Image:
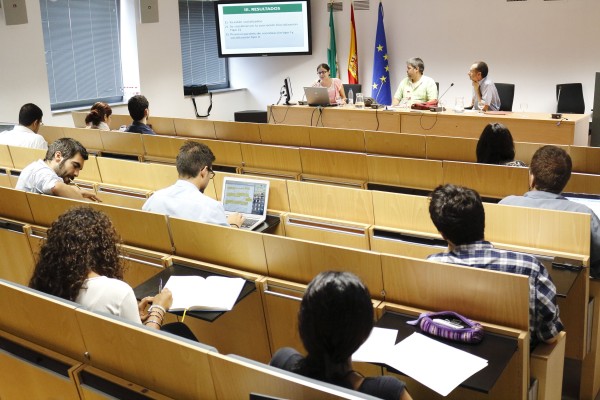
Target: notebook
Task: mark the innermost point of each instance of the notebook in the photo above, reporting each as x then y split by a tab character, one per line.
590	200
317	96
247	197
215	293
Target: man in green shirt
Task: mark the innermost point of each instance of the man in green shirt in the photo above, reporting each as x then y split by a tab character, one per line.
416	87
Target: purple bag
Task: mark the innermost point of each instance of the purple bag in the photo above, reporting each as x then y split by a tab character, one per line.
450	325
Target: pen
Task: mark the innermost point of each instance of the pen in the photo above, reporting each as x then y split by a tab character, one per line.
160	286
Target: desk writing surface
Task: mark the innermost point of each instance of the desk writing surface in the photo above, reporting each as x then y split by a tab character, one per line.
497	349
150	288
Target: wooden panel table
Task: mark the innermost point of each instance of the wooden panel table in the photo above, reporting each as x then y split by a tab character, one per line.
336	117
525	127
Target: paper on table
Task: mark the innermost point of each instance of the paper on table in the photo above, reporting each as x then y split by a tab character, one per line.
377	346
436	365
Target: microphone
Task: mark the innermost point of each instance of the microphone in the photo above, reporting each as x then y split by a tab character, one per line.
440	108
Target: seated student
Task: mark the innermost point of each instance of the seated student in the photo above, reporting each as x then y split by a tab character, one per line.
138	110
25	134
53	175
99	117
186	199
549	173
80	262
496	146
335	318
458	214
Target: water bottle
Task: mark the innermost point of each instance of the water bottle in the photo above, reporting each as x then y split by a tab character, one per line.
350	97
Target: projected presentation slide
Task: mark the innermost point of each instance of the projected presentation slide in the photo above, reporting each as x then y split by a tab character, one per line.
263	27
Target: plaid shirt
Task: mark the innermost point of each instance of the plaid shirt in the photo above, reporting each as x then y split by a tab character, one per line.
544	321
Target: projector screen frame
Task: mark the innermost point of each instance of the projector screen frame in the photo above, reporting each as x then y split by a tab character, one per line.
226	54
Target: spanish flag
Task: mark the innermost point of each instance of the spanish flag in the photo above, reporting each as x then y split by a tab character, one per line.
353	54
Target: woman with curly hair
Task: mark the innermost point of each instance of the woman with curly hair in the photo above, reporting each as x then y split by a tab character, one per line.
335	319
80	262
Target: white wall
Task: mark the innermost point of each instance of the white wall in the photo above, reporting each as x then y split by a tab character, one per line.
534	44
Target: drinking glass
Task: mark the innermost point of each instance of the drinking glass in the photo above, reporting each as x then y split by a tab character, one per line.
459	105
481	105
360	100
523	108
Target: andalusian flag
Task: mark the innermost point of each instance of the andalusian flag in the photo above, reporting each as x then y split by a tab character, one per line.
380	89
353	54
331	51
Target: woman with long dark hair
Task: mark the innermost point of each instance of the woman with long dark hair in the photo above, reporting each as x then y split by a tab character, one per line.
335	319
496	146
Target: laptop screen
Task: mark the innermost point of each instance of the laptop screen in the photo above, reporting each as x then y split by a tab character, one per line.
246	197
590	200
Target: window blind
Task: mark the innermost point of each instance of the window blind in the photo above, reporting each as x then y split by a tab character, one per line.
201	62
83	57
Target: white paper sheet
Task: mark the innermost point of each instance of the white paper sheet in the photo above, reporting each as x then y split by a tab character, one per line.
436	365
377	346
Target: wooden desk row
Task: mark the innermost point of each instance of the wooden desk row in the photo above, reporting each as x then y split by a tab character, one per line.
317	165
501	299
56	349
428	145
290	258
525	127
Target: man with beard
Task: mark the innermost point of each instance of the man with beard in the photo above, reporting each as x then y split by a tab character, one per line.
53	175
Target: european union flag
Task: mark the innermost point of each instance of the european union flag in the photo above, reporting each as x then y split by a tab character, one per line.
380	90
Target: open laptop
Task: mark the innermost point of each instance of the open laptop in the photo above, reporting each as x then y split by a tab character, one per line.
317	96
248	197
590	200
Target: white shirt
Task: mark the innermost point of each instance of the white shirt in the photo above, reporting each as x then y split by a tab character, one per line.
184	200
103	126
38	177
22	136
109	296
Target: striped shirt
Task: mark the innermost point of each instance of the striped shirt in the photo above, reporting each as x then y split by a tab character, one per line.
544	320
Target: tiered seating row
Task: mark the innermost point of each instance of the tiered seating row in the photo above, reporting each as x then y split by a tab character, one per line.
585	159
55	348
341	166
510	316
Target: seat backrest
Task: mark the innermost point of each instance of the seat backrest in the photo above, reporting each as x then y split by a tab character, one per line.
40	318
569	98
506	91
356	88
169	365
300	261
253	377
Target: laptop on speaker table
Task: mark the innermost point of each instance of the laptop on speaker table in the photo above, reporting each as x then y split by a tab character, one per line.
317	96
247	197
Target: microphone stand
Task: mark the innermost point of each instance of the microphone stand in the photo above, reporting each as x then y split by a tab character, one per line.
440	108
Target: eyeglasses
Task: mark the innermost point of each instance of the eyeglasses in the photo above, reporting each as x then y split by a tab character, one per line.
321	72
211	173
